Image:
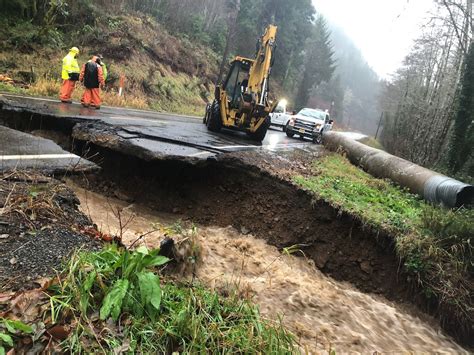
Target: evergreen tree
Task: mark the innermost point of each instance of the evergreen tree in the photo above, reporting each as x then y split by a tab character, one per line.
463	136
318	64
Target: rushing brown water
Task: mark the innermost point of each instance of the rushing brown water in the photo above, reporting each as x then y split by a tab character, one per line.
323	313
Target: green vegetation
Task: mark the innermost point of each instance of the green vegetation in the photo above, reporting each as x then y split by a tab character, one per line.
161	46
372	142
117	301
10	88
436	245
162	71
462	141
8	330
377	202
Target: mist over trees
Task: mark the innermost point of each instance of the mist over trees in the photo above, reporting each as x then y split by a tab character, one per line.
429	103
353	91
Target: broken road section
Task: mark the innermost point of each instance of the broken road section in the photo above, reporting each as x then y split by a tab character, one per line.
23	151
145	134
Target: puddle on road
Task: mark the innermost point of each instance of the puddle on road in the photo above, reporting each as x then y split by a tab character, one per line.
324	313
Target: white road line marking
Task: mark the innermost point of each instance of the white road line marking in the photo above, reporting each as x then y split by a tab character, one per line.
38	157
201	153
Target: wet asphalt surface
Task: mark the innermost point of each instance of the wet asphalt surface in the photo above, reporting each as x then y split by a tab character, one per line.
19	150
162	133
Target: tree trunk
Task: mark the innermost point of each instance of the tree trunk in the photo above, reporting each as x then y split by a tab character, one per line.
230	37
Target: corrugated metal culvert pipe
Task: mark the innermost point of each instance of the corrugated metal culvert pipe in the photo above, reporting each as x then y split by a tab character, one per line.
432	186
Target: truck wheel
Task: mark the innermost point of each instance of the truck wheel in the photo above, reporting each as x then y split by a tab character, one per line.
289	133
318	139
261	132
214	122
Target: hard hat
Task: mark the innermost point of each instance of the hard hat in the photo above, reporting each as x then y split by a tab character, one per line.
74	49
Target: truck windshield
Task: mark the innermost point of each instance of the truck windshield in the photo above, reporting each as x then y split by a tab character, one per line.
320	115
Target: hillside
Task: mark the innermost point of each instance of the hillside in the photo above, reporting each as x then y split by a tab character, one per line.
162	71
169	51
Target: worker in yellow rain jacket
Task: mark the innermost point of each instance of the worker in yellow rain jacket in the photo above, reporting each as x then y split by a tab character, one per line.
70	74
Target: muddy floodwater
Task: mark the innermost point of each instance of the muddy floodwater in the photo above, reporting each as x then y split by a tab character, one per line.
323	313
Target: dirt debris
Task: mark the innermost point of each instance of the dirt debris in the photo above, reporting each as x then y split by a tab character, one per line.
40	225
282	165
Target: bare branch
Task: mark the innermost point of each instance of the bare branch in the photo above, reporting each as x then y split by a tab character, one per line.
453	21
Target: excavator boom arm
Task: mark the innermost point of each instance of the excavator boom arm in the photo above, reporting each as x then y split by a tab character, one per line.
261	66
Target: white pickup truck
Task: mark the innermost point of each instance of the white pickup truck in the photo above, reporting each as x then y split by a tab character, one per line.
310	123
280	116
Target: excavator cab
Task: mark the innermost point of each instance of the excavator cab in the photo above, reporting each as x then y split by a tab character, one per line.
241	102
236	83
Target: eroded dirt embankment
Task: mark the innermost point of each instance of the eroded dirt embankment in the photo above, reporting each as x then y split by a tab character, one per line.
230	192
324	314
224	193
254	199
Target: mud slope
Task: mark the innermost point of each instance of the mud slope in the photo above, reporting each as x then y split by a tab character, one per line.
252	202
321	312
228	192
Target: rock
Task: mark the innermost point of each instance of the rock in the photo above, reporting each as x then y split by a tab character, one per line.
4	236
120	195
321	259
244	230
365	267
13	261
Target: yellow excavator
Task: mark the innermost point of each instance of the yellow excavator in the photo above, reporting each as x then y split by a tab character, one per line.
241	102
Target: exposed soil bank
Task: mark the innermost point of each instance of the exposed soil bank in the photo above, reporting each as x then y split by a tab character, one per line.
324	314
253	198
229	192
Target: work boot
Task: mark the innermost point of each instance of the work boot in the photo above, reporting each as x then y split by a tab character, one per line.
97	107
66	101
85	105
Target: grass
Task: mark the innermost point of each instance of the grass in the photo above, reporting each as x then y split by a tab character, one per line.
435	245
180	94
4	87
377	202
116	299
372	142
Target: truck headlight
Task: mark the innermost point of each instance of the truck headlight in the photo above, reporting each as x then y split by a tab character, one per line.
317	128
292	122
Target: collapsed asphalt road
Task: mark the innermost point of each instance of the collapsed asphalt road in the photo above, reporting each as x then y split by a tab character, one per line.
20	151
149	135
153	159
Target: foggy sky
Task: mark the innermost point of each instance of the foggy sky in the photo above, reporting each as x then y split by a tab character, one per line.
382	29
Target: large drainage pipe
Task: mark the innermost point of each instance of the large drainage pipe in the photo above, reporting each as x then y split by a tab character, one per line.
432	186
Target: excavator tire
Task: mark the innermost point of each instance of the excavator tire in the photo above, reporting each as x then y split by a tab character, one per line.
261	132
206	115
214	122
